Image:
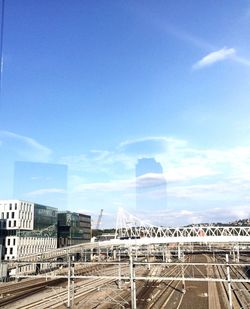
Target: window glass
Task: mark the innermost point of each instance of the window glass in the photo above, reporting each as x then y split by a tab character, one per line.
140	105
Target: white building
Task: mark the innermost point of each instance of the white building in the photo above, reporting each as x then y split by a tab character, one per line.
26	228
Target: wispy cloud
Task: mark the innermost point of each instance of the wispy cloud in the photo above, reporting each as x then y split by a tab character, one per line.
241	60
45	191
180	161
150	145
25	147
216	56
181	34
186	216
195	176
110	186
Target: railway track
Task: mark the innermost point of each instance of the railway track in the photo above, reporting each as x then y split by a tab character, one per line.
100	293
166	291
157	293
240	291
19	291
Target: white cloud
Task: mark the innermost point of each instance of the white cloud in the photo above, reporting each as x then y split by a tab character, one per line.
189	172
45	191
150	145
242	60
183	35
216	56
196	178
25	147
205	215
150	180
111	186
180	162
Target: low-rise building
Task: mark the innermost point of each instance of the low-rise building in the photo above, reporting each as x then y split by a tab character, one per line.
73	228
26	228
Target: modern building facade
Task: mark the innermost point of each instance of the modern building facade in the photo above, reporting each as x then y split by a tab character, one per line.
26	228
73	228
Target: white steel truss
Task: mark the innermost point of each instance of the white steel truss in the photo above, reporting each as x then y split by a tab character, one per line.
131	231
130	227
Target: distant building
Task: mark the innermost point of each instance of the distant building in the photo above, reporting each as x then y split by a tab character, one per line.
151	186
26	228
73	228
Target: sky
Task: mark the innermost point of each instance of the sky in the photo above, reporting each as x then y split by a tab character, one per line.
92	87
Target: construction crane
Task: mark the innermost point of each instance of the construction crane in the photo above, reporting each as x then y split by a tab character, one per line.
99	220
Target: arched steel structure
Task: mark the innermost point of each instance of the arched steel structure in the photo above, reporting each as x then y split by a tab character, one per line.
132	232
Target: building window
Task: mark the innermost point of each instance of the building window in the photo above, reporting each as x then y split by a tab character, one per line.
15	206
14	242
7	215
14	223
13	215
11	250
10	206
8	242
9	223
2	215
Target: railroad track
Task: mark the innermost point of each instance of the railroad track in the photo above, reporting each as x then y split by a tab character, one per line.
164	290
8	288
150	294
240	297
83	289
163	296
18	291
241	289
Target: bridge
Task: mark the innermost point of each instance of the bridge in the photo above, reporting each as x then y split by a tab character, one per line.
132	232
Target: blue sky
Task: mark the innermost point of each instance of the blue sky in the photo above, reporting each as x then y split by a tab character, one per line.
97	85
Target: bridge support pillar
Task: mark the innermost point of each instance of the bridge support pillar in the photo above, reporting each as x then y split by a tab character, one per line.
183	280
166	256
179	252
229	284
114	255
132	281
70	298
237	253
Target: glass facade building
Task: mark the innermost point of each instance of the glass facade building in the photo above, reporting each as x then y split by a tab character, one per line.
45	222
26	228
73	228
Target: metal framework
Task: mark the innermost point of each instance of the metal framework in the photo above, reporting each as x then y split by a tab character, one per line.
129	272
130	227
134	239
132	232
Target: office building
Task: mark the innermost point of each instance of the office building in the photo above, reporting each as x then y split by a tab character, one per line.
26	228
73	228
